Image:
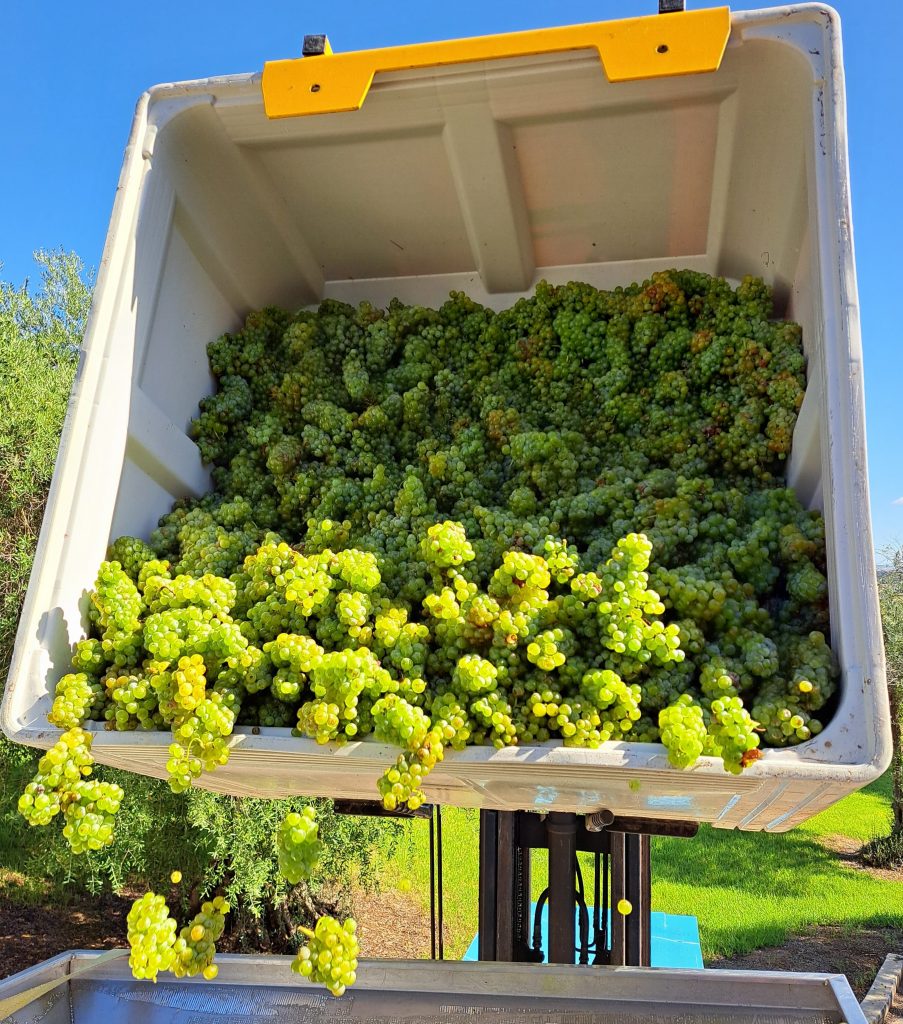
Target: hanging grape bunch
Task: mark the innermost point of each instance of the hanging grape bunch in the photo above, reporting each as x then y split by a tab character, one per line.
298	846
330	954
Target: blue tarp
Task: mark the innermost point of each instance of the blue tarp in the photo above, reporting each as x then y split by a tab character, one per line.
675	939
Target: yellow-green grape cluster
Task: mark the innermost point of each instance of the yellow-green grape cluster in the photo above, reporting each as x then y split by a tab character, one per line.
546	650
617	702
337	682
561	558
716	679
62	783
731	734
298	846
628	603
293	657
450	717
117	602
683	731
442	605
329	957
398	722
89	809
189	682
68	760
785	706
195	948
152	936
200	742
210	592
132	703
77	694
352	610
521	577
89	658
474	675
446	546
400	785
407	651
494	713
132	554
358	570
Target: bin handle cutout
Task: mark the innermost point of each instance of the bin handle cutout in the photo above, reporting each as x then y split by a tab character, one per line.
685	43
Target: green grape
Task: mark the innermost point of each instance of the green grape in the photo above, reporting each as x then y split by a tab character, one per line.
446	545
89	809
474	675
683	731
116	600
398	722
731	734
152	936
195	948
561	558
545	650
62	784
298	847
77	694
329	957
200	742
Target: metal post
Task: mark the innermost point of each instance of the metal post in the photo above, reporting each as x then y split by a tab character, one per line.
488	905
630	880
432	886
439	894
562	834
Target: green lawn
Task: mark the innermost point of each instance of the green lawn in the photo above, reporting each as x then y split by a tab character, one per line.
747	889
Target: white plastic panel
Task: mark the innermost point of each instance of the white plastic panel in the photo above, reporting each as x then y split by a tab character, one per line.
483	178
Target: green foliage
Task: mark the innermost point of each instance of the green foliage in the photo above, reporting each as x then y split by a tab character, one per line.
884	851
890	592
220	844
39	336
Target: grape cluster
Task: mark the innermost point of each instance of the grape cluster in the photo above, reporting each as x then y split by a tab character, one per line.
683	731
77	694
152	936
195	948
298	846
62	784
89	808
156	946
329	957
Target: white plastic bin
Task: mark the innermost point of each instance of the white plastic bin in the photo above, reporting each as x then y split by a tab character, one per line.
484	177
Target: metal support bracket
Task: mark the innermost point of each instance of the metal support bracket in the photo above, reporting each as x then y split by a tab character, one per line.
622	861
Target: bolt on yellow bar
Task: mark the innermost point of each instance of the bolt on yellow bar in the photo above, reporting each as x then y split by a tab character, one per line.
686	43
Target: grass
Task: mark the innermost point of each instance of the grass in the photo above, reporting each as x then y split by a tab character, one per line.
748	890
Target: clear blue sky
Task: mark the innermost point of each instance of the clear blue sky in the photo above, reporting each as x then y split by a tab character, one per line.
70	74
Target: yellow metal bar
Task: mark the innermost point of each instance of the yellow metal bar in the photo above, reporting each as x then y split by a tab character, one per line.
675	44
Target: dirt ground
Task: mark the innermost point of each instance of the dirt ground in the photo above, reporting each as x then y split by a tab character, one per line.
857	954
29	934
391	925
